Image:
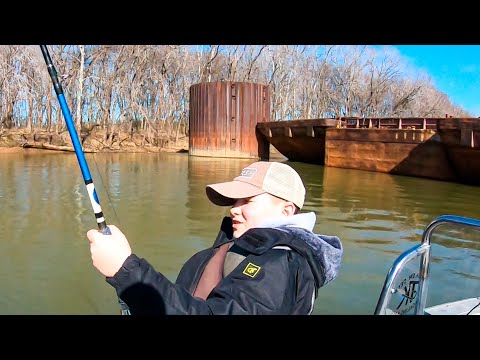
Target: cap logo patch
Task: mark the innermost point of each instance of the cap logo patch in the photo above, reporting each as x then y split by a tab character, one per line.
248	172
251	270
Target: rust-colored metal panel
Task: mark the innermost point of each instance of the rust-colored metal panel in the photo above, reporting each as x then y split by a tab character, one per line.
417	153
223	117
439	148
298	140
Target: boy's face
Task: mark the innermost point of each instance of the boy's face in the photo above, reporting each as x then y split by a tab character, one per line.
250	212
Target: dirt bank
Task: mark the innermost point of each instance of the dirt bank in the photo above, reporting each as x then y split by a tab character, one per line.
20	140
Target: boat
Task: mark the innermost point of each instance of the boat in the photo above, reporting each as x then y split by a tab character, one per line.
445	149
407	284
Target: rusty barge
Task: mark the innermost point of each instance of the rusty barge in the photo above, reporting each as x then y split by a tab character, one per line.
445	149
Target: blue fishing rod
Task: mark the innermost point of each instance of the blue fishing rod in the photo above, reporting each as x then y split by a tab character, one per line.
92	194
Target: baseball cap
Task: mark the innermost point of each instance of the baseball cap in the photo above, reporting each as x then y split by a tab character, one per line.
260	177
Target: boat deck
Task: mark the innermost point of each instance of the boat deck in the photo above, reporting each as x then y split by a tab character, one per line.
462	307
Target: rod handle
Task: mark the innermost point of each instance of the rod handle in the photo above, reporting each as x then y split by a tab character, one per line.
103	227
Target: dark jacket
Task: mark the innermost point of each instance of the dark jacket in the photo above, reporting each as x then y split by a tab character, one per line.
283	268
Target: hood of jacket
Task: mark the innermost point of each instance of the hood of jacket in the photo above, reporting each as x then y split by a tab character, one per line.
323	252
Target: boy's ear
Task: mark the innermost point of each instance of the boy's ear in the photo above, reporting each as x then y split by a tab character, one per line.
289	208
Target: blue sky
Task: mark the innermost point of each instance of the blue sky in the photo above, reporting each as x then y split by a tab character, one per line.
454	69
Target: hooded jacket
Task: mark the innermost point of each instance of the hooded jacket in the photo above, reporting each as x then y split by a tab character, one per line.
281	267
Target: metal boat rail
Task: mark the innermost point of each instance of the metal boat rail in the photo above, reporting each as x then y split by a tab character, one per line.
412	290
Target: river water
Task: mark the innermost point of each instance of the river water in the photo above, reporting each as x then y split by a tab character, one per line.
159	202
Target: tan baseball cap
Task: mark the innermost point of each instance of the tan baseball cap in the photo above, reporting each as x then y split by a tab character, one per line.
275	178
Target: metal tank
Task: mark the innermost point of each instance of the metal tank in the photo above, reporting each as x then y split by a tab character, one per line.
223	116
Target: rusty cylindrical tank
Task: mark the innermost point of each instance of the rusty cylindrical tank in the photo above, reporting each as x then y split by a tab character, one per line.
223	116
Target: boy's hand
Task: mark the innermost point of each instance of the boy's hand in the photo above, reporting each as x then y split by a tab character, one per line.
109	252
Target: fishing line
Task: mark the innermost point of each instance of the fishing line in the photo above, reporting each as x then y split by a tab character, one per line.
106	190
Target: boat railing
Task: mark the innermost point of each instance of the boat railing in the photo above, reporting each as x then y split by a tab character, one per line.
413	288
390	123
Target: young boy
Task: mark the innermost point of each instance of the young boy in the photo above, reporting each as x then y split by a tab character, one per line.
265	259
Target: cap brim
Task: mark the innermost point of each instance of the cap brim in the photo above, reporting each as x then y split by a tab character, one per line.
225	194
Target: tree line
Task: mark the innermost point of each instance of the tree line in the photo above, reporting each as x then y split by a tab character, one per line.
146	87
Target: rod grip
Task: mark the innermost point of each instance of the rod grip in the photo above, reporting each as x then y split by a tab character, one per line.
103	227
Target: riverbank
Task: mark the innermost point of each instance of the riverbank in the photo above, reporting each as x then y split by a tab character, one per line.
96	141
18	141
275	155
19	149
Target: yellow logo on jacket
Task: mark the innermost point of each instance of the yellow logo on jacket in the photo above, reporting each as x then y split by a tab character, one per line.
251	270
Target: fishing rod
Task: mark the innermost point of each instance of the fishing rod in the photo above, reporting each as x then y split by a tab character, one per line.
92	194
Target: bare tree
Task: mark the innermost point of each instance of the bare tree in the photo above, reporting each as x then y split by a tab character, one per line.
145	88
81	74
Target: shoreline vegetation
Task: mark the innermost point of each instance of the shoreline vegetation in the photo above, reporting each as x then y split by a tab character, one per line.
95	141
